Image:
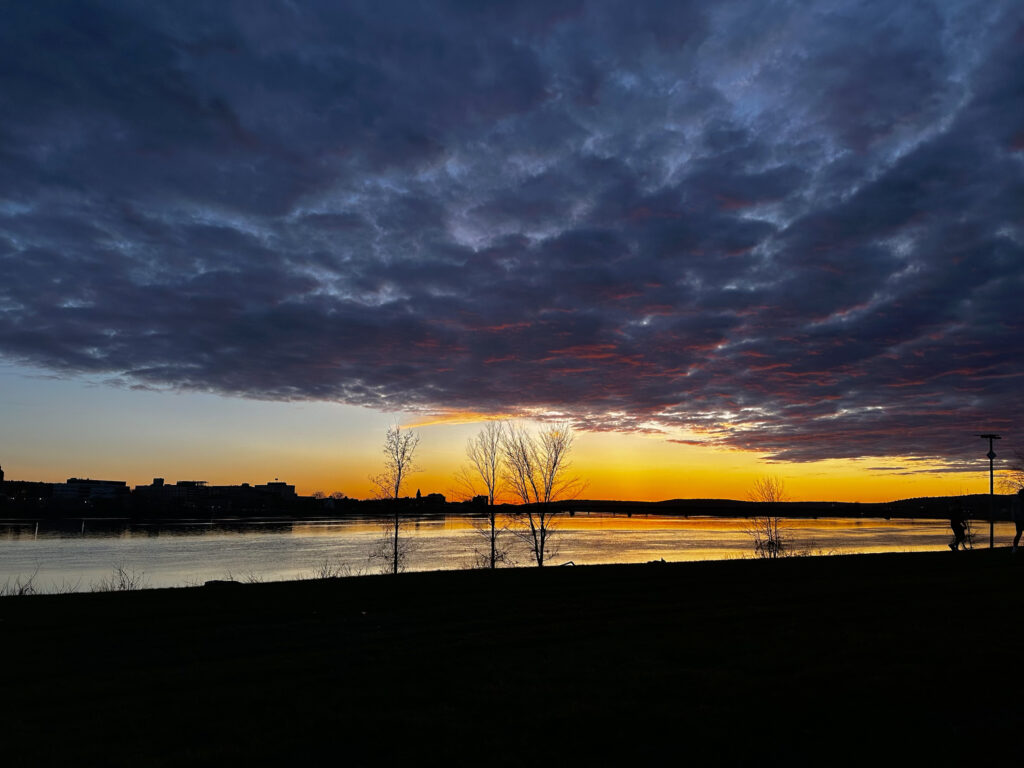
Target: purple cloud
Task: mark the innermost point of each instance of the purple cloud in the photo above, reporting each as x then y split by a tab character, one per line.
796	229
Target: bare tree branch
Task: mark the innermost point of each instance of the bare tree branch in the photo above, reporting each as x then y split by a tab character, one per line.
769	489
1012	478
485	457
399	454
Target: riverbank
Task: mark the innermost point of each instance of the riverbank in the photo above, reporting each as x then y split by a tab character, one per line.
802	659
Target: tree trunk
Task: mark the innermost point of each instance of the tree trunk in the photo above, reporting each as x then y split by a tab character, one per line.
543	535
492	541
395	547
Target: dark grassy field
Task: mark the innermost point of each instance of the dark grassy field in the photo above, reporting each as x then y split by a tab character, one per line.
801	660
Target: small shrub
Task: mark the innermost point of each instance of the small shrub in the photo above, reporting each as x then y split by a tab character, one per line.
121	579
22	585
331	569
66	587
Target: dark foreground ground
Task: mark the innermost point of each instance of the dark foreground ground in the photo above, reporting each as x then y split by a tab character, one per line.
824	660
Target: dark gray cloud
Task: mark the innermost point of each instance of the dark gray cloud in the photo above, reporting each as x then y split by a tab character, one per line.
795	227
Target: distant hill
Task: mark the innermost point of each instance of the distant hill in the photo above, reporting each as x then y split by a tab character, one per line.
930	507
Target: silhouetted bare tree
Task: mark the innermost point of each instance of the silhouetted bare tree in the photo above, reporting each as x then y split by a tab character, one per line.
399	462
483	472
536	468
767	531
484	454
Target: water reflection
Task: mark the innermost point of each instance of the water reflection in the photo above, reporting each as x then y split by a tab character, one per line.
193	552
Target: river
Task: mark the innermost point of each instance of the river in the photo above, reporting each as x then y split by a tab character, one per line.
85	557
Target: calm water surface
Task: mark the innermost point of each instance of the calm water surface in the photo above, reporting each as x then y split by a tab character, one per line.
182	555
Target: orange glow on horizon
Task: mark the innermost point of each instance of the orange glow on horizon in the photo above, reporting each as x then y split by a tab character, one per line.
632	467
613	466
330	447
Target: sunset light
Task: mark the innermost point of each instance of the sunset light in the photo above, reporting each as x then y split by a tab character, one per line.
531	382
709	236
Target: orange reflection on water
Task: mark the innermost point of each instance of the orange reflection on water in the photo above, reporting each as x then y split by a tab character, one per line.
606	538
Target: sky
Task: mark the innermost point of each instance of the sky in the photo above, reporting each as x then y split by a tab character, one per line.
723	240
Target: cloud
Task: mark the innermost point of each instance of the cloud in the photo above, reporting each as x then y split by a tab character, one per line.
795	230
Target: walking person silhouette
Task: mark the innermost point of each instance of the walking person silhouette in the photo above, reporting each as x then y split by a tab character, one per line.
1018	517
956	522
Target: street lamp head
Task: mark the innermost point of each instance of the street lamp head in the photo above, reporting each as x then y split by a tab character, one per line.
991	437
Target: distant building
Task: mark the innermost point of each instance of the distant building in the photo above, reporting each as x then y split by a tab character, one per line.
192	497
282	490
77	489
1	474
26	494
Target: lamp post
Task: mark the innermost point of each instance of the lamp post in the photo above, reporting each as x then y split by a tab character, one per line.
991	487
